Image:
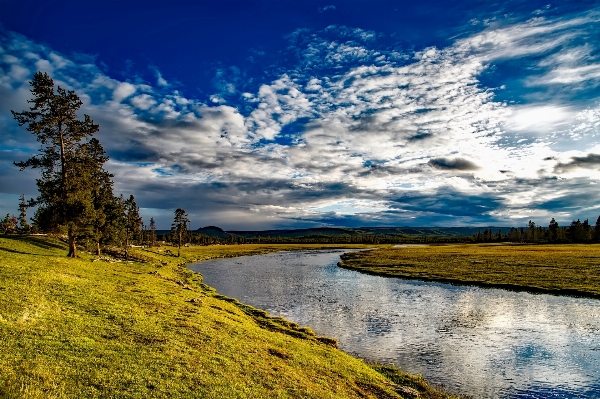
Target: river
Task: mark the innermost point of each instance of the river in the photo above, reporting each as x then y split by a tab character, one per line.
486	343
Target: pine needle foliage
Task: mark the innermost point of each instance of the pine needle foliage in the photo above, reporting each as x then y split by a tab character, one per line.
71	162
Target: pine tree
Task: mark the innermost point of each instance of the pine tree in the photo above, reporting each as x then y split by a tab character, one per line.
152	232
133	222
179	227
24	226
7	224
578	231
14	224
531	232
102	223
553	230
65	201
586	231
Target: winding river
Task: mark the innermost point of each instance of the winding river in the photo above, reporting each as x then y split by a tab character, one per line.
486	343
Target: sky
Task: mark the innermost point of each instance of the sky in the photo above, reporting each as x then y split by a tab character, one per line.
256	115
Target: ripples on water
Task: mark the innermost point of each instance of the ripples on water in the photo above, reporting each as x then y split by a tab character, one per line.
487	343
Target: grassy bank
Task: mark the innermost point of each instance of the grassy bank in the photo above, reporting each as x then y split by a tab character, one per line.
87	328
557	269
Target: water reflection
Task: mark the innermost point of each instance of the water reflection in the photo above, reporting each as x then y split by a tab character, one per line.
482	342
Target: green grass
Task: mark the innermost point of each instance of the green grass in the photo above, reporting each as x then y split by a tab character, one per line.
88	328
558	269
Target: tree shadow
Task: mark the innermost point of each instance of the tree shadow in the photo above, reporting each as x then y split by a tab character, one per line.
14	251
39	242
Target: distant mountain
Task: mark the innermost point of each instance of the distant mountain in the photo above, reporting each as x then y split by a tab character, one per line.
213	231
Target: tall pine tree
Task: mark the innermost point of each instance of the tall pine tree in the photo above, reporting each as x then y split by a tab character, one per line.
103	225
179	227
133	222
152	232
24	226
65	201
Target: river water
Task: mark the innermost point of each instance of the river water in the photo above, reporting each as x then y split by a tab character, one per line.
486	343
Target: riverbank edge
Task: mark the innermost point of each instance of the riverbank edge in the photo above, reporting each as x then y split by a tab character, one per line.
471	283
170	270
260	316
405	384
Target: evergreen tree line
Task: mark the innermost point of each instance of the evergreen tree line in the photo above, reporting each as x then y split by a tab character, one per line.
576	232
195	238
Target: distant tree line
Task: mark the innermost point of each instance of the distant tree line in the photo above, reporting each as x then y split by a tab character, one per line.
195	238
576	232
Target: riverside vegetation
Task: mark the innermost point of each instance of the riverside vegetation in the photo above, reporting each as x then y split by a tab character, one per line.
96	327
569	269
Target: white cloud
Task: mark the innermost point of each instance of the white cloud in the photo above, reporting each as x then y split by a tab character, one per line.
327	8
540	118
160	81
351	207
143	101
18	73
59	61
570	75
122	91
279	103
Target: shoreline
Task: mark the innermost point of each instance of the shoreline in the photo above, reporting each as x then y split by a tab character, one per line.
97	327
393	373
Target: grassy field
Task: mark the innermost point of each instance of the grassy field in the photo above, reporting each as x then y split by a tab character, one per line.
558	269
89	328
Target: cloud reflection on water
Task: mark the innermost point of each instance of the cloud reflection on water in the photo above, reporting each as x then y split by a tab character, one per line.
481	342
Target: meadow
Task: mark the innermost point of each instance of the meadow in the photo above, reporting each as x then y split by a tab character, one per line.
569	269
94	327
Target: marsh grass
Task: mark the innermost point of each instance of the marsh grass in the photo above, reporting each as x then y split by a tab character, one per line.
557	269
88	328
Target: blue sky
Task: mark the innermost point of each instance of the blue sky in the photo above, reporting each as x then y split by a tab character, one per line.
276	114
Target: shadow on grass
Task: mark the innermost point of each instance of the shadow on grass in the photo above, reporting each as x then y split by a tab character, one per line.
39	242
14	251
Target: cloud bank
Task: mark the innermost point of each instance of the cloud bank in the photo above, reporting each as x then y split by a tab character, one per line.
351	131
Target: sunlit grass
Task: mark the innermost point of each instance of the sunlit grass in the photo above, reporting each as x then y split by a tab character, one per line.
83	328
560	269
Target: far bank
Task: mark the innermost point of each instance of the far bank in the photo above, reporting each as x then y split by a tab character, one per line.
561	269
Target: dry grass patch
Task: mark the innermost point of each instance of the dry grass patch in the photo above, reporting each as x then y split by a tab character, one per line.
560	269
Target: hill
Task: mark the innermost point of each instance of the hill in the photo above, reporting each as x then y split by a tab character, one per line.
213	231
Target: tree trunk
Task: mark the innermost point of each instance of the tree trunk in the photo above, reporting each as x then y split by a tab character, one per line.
126	245
98	251
72	250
